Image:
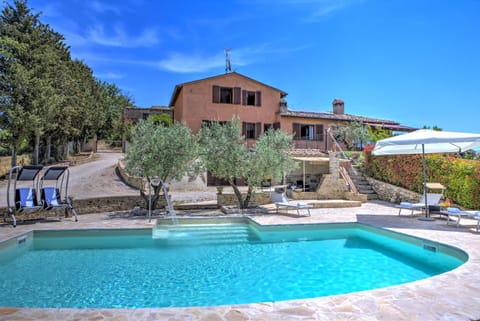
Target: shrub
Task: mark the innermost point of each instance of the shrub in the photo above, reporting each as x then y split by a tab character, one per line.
461	177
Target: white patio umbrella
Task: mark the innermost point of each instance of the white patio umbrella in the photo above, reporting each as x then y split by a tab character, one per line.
426	141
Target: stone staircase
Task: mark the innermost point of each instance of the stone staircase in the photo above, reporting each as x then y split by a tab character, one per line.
363	187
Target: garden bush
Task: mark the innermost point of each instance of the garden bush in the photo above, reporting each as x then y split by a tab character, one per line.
461	177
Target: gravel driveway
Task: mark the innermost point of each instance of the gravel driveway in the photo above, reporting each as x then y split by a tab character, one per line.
98	178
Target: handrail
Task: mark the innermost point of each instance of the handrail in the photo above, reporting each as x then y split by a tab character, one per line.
348	179
339	149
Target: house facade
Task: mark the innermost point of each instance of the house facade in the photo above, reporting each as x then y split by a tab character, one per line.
259	107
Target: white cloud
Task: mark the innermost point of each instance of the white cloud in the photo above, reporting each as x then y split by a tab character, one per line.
188	63
323	8
119	38
110	75
102	7
195	62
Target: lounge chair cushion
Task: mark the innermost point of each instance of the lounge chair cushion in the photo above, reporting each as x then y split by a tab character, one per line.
50	196
25	197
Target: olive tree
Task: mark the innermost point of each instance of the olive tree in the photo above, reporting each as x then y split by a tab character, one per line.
161	152
226	155
351	134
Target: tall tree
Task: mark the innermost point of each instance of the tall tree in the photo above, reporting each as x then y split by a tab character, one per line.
115	101
18	35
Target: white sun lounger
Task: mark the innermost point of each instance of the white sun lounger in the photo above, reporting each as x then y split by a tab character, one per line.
280	200
458	213
432	200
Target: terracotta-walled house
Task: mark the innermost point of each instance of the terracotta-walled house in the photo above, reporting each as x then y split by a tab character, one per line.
259	107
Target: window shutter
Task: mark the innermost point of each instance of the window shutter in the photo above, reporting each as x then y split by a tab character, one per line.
258	130
296	131
216	94
237	95
244	128
258	99
319	132
244	97
276	125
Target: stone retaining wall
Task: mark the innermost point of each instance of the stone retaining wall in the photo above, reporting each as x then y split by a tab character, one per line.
136	182
259	198
186	183
92	206
392	193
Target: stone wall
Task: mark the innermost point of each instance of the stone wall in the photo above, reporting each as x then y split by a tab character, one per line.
134	181
188	182
332	186
229	199
112	204
392	193
92	206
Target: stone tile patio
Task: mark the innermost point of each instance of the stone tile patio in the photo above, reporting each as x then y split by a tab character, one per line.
453	295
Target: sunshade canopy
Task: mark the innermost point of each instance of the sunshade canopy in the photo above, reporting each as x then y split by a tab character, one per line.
433	141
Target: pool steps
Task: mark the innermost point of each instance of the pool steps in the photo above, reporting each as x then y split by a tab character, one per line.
203	234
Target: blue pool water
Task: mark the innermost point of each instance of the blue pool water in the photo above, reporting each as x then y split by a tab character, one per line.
210	265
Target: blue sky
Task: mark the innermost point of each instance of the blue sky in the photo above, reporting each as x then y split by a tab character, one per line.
412	61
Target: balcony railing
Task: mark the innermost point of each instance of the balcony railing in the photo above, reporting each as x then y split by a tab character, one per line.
309	144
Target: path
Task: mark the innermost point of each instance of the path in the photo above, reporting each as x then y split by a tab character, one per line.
98	178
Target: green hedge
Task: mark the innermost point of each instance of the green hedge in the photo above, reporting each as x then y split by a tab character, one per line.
461	177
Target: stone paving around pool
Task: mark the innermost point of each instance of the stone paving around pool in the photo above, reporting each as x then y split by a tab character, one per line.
454	295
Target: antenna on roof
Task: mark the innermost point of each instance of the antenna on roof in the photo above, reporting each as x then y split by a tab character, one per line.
228	66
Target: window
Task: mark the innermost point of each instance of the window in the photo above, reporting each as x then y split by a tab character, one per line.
226	95
308	132
145	116
251	98
251	130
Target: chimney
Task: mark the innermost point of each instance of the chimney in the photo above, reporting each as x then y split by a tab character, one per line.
338	106
283	106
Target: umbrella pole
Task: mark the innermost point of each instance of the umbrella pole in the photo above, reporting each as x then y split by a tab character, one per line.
424	170
303	176
424	165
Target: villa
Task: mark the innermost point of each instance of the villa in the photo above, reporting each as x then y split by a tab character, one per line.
259	107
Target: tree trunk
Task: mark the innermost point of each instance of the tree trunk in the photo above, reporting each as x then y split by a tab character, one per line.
48	149
36	150
67	152
14	156
248	196
155	195
238	194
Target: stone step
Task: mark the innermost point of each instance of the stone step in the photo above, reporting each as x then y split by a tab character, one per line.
366	189
361	183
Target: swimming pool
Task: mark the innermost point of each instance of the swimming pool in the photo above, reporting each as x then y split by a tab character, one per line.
196	264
